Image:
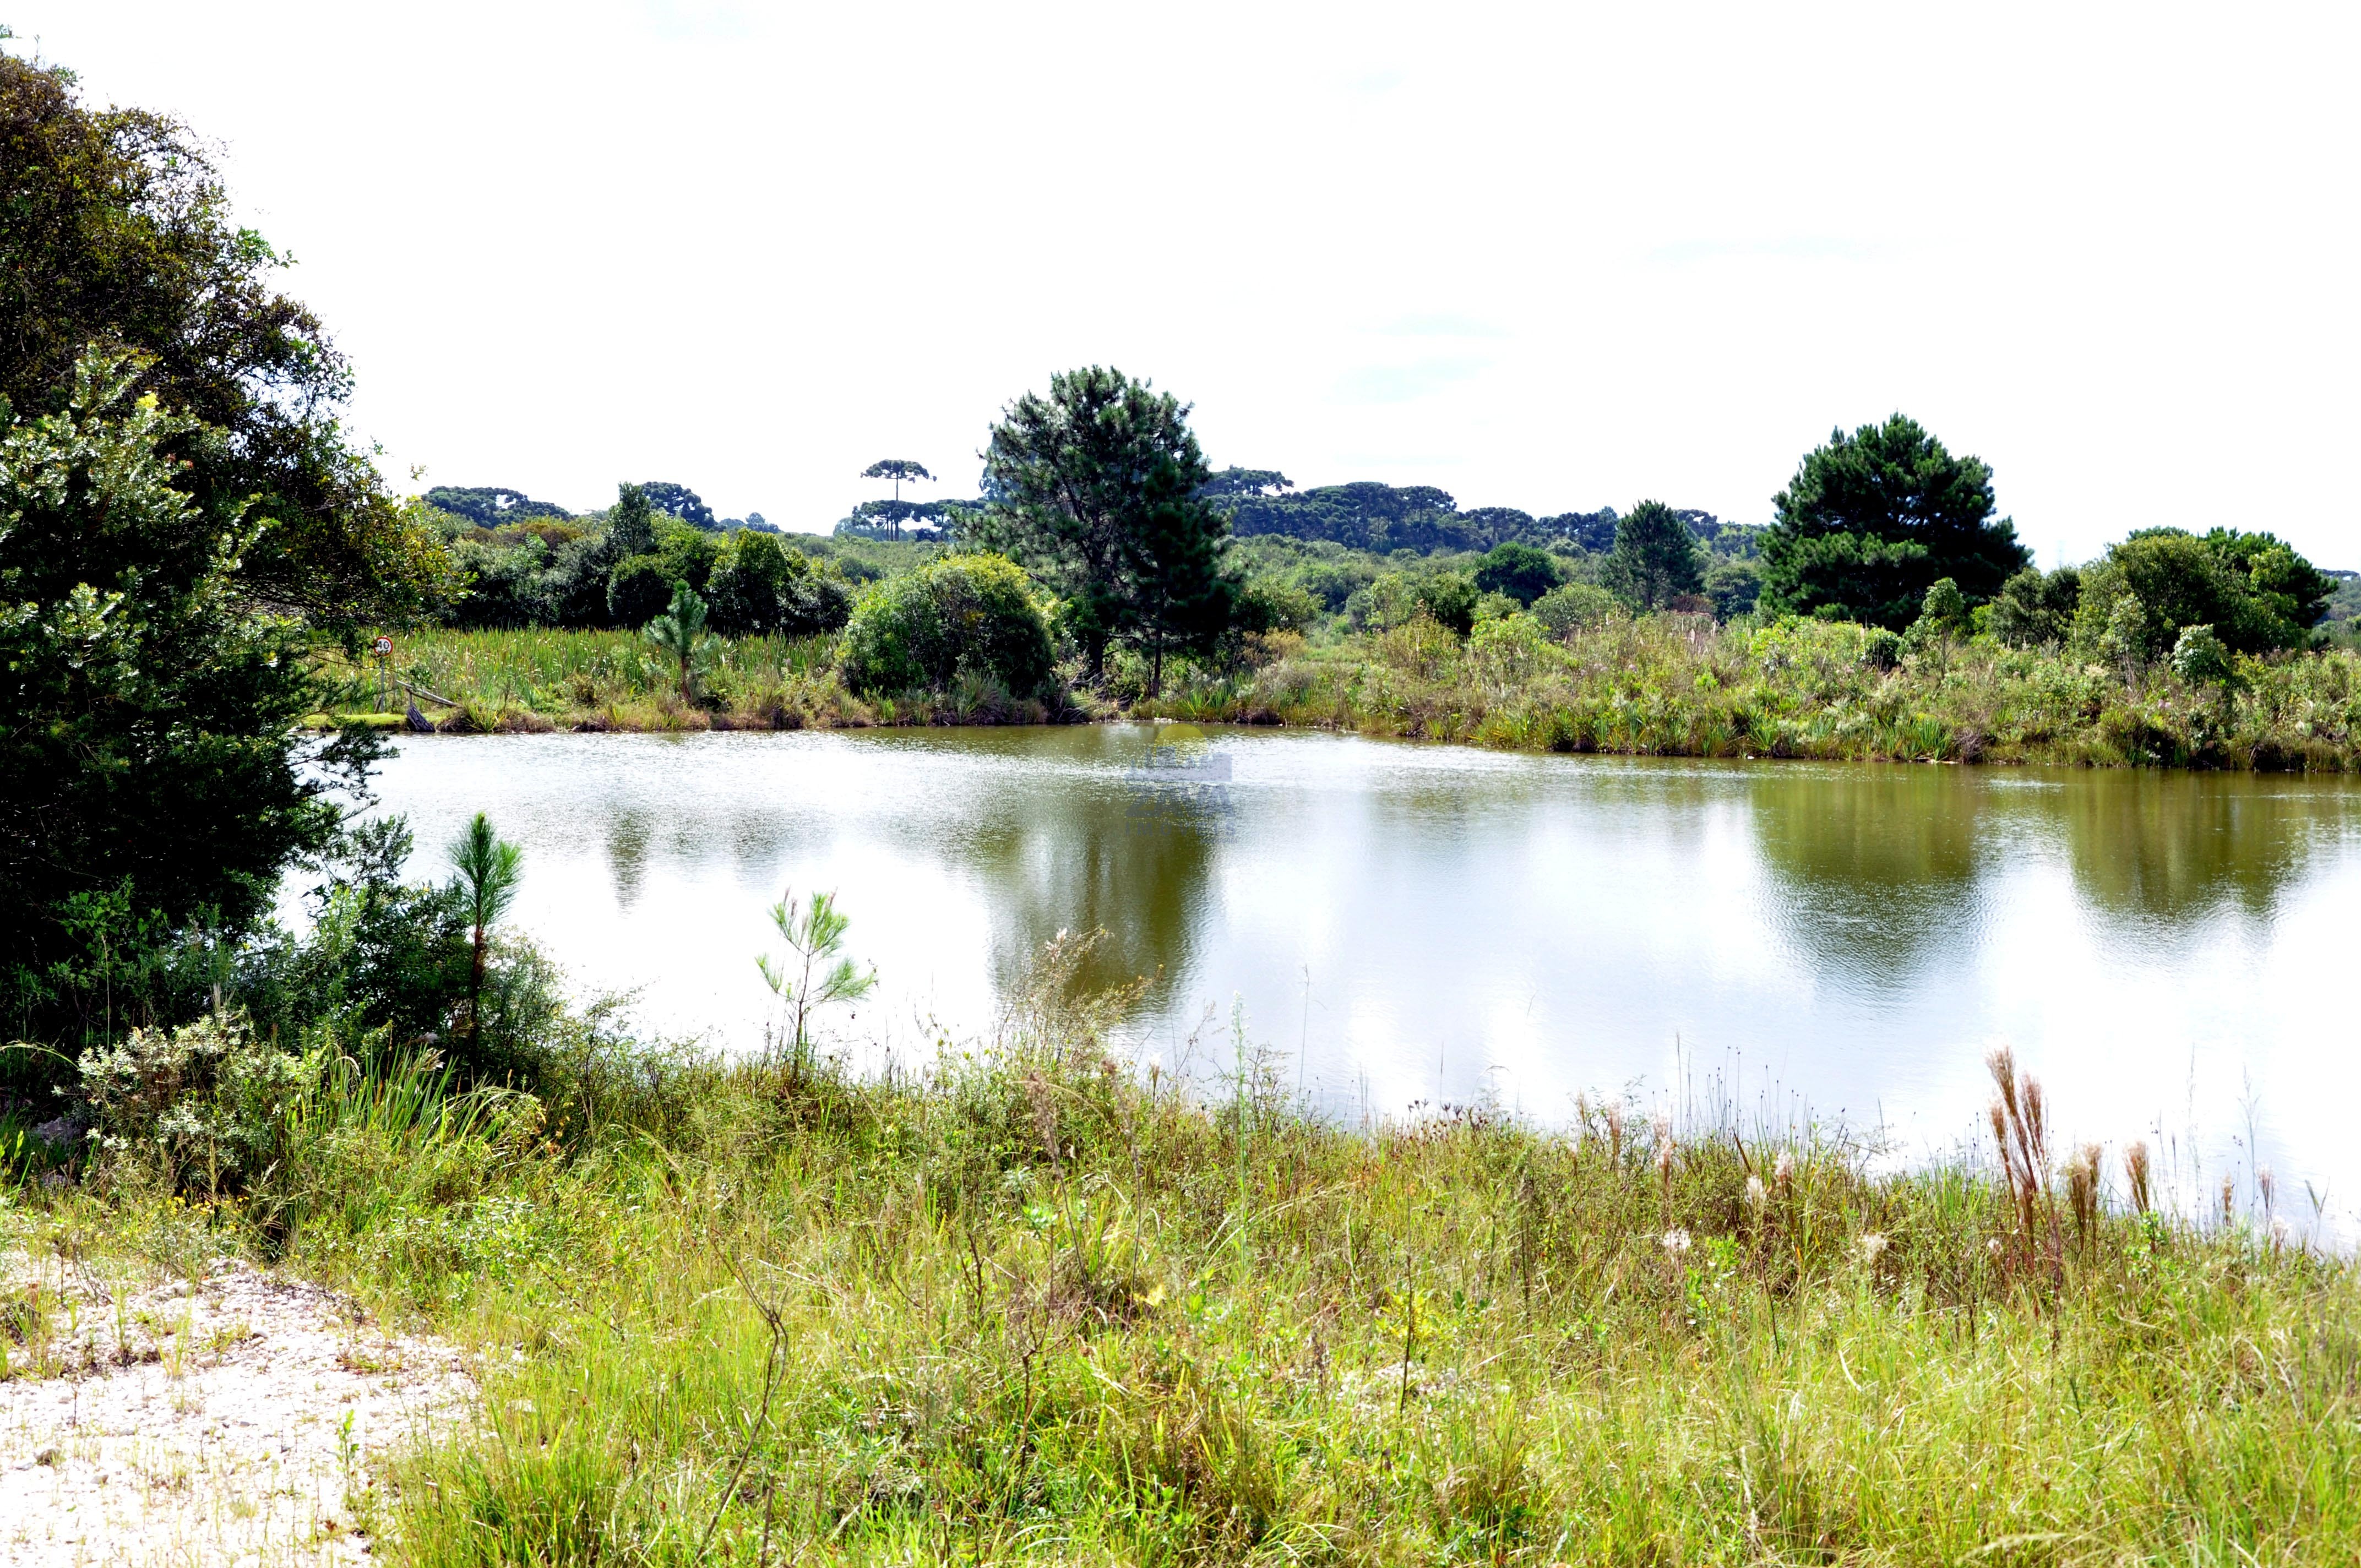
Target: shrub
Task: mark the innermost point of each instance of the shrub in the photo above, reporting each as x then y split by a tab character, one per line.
1508	648
2198	655
747	586
638	590
1942	614
956	615
1333	583
206	1098
1519	571
1881	649
2036	609
1573	606
1273	604
2255	593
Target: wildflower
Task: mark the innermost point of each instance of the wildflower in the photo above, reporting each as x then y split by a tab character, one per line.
1783	1172
1755	1196
1677	1241
1992	1246
2281	1232
1871	1245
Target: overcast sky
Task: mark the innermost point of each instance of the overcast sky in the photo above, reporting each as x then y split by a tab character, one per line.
1550	257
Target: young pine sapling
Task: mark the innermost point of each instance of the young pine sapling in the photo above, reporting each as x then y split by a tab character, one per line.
487	867
811	974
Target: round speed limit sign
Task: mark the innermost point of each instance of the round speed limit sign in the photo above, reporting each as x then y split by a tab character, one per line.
384	648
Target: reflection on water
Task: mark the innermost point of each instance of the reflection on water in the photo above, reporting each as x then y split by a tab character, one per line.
1879	863
2171	848
1433	924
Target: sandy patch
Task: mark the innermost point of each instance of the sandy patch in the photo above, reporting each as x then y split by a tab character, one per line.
228	1423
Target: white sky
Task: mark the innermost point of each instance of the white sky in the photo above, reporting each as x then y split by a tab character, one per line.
1552	256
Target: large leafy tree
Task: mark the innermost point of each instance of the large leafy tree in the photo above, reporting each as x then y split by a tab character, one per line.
1519	571
117	231
1655	559
1873	519
1097	488
150	774
2257	594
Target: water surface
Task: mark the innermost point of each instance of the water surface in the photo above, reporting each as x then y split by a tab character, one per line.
2173	953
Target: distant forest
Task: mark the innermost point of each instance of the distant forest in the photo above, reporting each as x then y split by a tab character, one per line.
1366	515
1362	515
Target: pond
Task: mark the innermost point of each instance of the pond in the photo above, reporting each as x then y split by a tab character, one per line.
1400	925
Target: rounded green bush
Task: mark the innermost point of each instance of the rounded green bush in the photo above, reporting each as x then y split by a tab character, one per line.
956	616
638	590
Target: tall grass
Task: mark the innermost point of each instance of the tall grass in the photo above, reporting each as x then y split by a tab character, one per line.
1679	685
1660	685
548	679
1030	1304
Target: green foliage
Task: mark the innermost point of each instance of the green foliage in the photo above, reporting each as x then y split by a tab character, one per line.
814	975
1667	685
2258	595
1942	614
1095	488
149	754
118	233
900	470
1734	586
631	523
1519	571
386	956
1575	606
200	1107
1270	604
493	506
957	617
2036	609
1655	562
677	500
488	869
893	513
639	589
2201	658
1882	649
680	632
687	553
1394	599
1871	520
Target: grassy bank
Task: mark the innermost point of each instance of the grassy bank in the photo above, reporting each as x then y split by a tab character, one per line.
1666	686
543	679
1677	685
1029	1304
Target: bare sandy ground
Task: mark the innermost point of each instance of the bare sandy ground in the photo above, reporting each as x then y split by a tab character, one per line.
226	1422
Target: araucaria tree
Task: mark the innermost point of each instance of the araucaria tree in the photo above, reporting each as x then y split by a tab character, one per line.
1654	561
1871	520
1095	490
897	469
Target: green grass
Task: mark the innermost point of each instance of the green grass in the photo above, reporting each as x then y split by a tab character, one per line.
1678	685
1666	686
547	679
1032	1305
